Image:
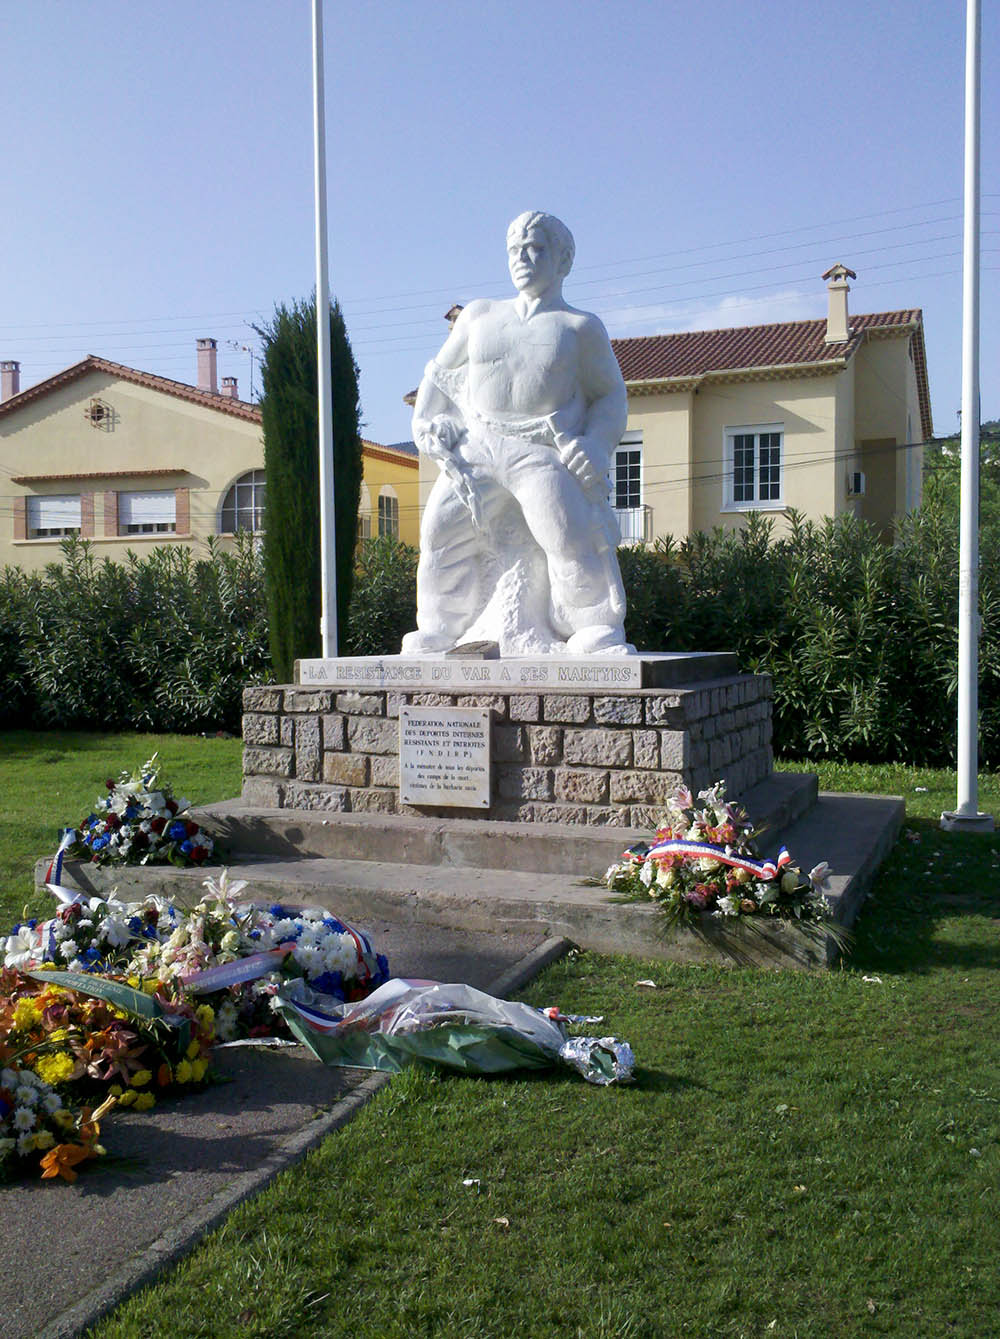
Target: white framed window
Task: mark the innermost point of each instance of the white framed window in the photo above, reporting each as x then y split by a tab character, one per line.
243	506
388	511
151	513
364	513
626	484
53	516
753	467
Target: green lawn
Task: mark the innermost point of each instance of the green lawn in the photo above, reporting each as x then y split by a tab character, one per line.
801	1155
50	779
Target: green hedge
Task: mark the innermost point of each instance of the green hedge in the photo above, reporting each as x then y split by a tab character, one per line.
162	643
859	636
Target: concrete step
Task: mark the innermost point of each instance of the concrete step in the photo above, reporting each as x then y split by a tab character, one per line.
542	848
852	833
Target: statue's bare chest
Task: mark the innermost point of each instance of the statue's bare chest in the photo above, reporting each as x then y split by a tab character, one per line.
532	364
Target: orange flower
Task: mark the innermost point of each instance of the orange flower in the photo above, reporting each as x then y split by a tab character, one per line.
62	1160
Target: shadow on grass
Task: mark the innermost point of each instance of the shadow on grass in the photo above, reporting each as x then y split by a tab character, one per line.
929	902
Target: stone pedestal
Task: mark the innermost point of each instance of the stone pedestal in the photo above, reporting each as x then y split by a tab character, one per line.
570	741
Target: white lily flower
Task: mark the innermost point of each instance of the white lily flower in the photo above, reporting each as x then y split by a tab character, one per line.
225	888
819	875
21	949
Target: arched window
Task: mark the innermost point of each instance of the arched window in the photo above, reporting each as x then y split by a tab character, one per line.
388	511
243	506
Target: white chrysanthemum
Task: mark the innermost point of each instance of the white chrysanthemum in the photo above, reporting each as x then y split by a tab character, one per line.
24	1119
340	954
284	929
728	906
25	1094
309	959
226	1019
69	949
51	1101
25	1144
9	1079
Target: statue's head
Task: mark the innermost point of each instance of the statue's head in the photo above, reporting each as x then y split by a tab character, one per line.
556	242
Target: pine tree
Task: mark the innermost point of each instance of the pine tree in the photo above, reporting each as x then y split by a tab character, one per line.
290	417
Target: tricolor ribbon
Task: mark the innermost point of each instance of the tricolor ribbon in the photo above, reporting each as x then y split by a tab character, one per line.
766	870
53	875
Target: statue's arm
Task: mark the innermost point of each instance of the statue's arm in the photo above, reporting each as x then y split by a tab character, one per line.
589	455
437	417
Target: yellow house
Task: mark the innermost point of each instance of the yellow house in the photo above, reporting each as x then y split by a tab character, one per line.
823	416
826	416
129	460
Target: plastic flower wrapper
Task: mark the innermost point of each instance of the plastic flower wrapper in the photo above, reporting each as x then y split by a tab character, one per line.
455	1026
140	822
704	859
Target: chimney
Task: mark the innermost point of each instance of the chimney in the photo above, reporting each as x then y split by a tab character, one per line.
837	329
229	388
10	380
208	379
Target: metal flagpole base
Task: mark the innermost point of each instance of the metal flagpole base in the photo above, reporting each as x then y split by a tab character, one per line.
967	822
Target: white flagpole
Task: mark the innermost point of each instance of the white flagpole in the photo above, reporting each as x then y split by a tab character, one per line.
967	817
327	525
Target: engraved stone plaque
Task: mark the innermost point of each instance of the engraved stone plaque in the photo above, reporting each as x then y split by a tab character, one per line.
444	756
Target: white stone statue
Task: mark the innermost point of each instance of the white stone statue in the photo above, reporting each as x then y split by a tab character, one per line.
521	410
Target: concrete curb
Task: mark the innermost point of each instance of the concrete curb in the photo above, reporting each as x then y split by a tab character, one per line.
180	1239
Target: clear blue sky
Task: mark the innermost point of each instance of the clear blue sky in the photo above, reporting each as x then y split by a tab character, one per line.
711	158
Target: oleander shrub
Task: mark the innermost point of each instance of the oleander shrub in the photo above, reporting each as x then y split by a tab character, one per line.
860	636
161	642
384	601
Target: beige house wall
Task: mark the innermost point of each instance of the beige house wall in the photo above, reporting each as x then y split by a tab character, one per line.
148	440
190	446
666	423
888	426
808	411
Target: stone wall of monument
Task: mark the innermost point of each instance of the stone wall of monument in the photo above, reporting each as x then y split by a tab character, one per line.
556	757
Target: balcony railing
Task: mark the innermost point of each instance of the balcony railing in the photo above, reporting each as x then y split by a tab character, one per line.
635	524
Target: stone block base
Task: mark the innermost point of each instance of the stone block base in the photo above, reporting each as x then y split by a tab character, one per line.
594	756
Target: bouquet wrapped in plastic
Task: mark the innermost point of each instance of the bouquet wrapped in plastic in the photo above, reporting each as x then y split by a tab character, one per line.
456	1026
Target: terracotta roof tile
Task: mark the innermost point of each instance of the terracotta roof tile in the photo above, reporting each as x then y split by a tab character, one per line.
695	352
698	353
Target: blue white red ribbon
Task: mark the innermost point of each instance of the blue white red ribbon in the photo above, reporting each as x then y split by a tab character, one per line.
765	870
53	875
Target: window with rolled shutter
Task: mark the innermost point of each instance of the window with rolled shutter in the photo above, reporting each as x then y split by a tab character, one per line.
53	517
151	513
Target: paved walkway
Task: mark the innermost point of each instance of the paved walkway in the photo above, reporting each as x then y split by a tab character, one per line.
70	1253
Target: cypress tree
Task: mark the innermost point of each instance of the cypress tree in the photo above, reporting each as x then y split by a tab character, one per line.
290	416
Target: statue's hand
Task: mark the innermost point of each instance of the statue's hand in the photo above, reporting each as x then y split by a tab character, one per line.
438	437
584	459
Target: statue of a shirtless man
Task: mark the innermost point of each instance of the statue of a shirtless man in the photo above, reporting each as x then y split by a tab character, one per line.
522	409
